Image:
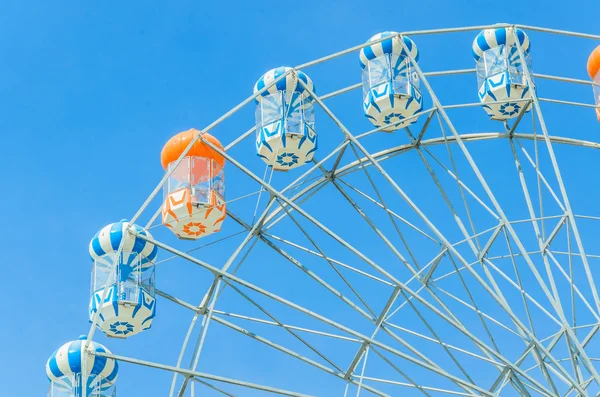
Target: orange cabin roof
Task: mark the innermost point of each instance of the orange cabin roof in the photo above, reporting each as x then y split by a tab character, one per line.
177	144
593	65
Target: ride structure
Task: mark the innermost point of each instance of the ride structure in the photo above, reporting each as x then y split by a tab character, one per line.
455	256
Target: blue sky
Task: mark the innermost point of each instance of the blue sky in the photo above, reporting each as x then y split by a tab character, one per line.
92	90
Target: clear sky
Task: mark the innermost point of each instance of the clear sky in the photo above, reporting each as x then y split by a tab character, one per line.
91	90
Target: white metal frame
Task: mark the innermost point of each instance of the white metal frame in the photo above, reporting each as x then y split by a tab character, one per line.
422	289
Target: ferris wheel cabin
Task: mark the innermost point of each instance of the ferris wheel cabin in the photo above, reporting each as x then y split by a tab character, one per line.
70	368
593	67
503	87
391	87
194	195
123	297
285	119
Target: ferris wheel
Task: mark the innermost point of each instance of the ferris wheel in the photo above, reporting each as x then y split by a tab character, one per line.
427	231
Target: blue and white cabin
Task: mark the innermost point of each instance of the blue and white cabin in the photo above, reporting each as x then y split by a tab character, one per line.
70	368
130	304
500	74
285	120
391	87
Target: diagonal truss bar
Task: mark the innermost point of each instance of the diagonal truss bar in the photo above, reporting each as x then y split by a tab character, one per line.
507	226
225	275
425	219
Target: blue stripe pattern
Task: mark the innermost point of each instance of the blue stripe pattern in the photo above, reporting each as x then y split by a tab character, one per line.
493	38
289	83
68	360
75	357
109	238
390	46
52	366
